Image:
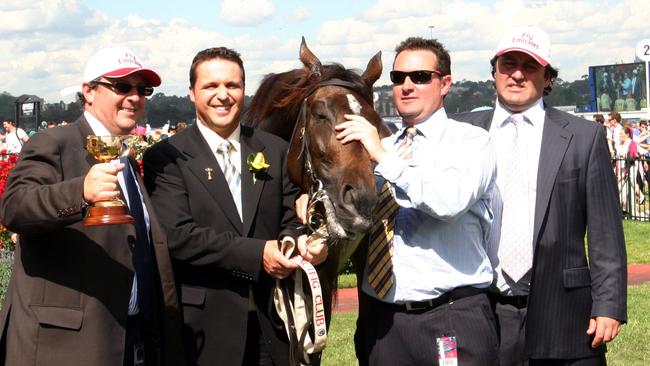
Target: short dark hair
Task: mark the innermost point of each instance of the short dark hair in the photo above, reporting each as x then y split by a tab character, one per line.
599	118
10	121
223	53
419	43
550	73
615	115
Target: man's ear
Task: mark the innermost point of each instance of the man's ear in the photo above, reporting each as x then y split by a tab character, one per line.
192	95
88	93
446	85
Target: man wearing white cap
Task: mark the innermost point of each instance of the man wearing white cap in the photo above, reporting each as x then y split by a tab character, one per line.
554	305
79	295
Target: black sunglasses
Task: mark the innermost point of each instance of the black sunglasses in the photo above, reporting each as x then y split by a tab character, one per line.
417	76
125	88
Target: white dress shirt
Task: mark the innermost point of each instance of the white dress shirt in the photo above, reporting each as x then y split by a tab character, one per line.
100	130
531	133
444	216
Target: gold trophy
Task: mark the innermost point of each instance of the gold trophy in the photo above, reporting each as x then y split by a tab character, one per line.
109	212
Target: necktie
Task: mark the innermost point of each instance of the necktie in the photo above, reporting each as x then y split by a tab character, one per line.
143	257
516	247
233	178
380	263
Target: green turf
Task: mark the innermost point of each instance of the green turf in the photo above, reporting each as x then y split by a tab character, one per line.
637	241
630	348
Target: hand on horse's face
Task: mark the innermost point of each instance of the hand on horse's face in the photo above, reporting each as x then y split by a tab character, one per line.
275	263
357	128
313	251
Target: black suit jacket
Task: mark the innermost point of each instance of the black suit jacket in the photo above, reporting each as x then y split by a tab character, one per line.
216	256
576	194
68	297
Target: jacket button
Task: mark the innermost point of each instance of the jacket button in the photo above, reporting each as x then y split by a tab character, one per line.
131	240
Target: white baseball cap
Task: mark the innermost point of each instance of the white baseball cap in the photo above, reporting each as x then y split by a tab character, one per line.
117	62
530	40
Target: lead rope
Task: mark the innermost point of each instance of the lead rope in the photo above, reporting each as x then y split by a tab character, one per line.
295	312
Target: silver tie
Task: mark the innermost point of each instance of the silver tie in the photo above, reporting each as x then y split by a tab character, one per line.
515	246
233	178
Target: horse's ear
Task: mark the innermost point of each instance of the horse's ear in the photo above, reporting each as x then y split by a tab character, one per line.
373	70
310	61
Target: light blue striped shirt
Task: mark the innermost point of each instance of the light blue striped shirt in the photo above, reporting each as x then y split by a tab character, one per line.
444	216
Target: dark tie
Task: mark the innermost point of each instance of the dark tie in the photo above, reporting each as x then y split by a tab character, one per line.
143	258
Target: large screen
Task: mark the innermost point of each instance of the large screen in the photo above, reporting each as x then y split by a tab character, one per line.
619	87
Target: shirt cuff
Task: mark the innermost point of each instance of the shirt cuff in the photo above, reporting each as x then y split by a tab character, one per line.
391	166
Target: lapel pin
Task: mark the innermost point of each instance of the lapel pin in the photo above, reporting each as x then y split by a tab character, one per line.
209	171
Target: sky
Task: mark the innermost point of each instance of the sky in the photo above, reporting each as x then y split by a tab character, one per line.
45	43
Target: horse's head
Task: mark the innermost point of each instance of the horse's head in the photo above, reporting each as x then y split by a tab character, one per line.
316	159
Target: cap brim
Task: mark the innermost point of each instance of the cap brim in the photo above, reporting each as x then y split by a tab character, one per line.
537	58
149	75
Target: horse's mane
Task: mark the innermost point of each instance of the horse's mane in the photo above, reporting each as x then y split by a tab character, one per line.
285	91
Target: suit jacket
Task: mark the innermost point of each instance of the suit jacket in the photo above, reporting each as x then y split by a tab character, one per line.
68	296
216	256
576	193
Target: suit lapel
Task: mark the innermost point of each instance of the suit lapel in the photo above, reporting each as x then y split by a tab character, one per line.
201	158
251	191
555	141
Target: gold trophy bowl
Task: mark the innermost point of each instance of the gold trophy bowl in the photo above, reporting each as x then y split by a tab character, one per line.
109	212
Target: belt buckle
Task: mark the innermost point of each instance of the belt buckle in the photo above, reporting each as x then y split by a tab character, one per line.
418	305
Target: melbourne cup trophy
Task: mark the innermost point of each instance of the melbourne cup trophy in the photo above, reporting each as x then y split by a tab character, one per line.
109	212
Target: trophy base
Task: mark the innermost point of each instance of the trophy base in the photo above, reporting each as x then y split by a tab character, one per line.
99	215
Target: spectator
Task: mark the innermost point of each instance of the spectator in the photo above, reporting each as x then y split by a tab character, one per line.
15	137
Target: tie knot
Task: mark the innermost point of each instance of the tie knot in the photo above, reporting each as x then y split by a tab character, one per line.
410	132
517	119
224	147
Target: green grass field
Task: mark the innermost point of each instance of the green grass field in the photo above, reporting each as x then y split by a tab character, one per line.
637	240
630	348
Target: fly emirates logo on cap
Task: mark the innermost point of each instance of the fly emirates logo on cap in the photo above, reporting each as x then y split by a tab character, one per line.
530	40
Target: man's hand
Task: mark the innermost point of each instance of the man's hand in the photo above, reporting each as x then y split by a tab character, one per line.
100	184
359	129
302	204
276	264
313	251
604	329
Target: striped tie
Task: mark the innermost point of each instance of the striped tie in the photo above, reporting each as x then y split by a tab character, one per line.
380	264
233	178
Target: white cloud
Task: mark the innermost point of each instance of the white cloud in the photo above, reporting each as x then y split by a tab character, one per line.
299	14
246	12
51	16
42	56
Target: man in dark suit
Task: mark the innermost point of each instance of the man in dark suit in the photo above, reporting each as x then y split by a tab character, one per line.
223	215
74	296
554	305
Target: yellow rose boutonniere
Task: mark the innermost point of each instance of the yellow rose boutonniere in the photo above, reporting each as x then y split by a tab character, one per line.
257	164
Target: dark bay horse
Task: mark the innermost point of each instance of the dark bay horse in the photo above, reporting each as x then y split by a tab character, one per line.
303	106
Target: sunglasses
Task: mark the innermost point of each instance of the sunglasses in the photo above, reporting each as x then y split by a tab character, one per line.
417	76
125	88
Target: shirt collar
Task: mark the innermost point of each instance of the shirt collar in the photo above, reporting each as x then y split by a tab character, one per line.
535	113
429	126
214	140
98	128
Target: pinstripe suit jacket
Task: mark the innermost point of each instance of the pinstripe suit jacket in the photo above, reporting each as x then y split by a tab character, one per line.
576	194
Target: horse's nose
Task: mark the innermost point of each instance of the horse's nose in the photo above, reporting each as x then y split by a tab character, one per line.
357	199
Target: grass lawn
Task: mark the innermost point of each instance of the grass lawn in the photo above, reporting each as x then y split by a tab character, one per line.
637	240
630	348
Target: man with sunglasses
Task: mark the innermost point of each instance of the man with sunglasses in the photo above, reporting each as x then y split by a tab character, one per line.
554	305
80	295
423	298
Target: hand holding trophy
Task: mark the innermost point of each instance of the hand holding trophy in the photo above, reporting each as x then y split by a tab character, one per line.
114	211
